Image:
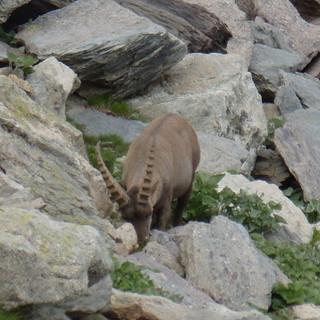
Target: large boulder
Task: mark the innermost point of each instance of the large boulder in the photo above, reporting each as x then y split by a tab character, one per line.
298	90
43	152
266	63
215	92
48	261
229	260
298	142
115	48
199	28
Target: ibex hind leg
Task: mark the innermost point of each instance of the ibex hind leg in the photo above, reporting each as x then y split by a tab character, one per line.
181	204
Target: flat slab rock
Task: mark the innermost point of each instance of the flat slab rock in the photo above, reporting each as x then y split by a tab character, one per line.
104	43
298	142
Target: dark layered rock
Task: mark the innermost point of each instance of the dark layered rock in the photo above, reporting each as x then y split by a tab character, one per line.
114	47
200	29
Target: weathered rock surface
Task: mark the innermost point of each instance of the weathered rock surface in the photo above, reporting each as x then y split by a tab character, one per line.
131	306
8	6
230	14
215	92
266	63
307	9
169	282
302	36
304	312
297	228
48	261
304	88
199	28
299	144
229	259
41	151
52	83
220	154
268	35
131	51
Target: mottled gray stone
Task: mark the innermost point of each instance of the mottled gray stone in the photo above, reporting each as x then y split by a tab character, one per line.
302	37
169	281
266	34
47	261
298	142
287	100
305	87
215	93
221	259
266	63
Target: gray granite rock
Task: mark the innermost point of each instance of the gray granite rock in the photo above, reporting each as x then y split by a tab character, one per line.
266	63
298	142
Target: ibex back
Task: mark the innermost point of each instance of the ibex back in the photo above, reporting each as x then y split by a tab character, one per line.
159	167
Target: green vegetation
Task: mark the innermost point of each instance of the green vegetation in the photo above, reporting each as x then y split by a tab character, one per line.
115	148
130	277
273	124
7	37
106	103
311	208
301	263
249	210
24	62
10	315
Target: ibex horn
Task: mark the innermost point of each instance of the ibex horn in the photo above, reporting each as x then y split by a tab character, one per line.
145	191
117	193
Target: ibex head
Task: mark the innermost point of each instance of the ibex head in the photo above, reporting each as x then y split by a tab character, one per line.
135	204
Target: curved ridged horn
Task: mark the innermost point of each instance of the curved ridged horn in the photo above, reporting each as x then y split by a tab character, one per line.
145	190
117	193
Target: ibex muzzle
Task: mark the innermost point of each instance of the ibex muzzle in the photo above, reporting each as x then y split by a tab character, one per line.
159	167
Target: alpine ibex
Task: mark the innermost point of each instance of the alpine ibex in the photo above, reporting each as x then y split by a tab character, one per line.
159	167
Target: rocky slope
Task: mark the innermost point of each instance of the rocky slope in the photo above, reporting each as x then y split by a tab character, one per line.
228	67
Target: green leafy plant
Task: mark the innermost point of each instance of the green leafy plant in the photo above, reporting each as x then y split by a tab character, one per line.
310	208
7	37
249	210
105	102
24	62
301	263
130	277
273	124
